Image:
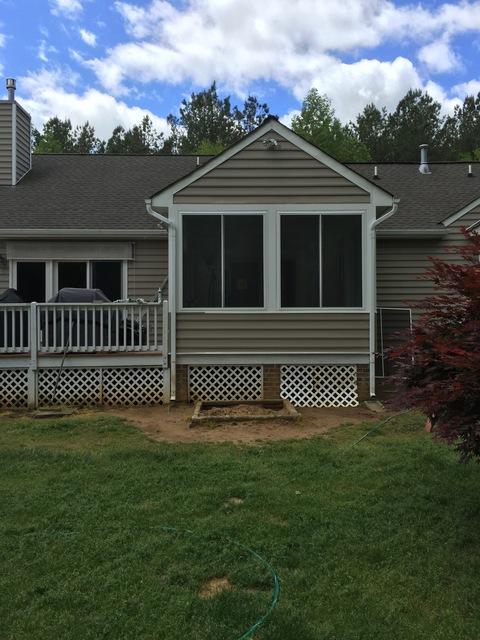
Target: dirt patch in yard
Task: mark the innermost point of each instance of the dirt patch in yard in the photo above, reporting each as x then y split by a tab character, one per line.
171	424
243	410
213	587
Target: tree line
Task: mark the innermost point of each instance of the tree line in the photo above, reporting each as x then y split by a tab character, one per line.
207	124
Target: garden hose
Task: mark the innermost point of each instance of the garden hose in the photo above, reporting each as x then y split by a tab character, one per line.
274	575
380	424
246	635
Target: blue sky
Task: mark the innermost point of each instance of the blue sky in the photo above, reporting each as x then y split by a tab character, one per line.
112	62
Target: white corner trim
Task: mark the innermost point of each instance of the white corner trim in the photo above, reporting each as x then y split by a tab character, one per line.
456	216
14	144
164	198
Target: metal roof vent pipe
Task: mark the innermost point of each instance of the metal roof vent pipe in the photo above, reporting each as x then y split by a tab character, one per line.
11	86
424	168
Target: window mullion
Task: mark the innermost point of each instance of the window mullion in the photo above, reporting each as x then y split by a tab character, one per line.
320	270
222	258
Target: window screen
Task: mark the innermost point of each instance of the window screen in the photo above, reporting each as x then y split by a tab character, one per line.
72	274
243	260
202	279
107	276
341	261
31	281
300	261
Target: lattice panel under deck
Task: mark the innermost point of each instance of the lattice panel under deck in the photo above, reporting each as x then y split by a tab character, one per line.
13	388
319	386
76	386
225	383
126	386
132	386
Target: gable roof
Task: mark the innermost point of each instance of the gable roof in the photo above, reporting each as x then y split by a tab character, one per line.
88	192
68	191
163	197
426	200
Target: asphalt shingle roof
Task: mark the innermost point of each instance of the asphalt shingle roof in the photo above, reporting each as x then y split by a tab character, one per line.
425	200
89	191
108	191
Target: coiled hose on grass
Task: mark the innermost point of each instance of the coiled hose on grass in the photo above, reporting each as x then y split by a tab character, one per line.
246	635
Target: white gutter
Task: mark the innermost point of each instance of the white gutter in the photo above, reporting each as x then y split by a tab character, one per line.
172	286
373	302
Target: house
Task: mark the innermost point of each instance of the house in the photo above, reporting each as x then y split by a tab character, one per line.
287	270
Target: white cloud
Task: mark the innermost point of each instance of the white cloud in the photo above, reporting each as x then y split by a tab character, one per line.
44	49
297	45
3	39
53	93
88	37
439	57
68	8
471	88
288	117
439	94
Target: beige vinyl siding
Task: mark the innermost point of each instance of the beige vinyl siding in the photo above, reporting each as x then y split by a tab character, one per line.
3	269
23	143
148	269
400	263
272	333
5	143
259	175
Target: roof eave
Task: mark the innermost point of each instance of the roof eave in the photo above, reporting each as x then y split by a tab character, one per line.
83	233
461	212
411	233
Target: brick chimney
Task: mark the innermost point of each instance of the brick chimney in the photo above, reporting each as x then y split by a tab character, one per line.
15	138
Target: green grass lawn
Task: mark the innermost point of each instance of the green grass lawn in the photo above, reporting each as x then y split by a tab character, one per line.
378	541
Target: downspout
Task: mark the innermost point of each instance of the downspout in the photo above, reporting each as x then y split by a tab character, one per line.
172	286
373	289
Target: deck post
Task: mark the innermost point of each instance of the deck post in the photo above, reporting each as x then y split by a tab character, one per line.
165	351
33	365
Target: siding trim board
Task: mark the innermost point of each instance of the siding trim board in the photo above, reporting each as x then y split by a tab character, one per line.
268	358
14	143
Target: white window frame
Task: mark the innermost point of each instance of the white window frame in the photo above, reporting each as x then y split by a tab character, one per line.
51	274
13	277
320	213
222	213
272	287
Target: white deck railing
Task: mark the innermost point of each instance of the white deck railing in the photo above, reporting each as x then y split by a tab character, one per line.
15	328
83	328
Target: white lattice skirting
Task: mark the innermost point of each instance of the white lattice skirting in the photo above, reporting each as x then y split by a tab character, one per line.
13	388
225	383
127	386
319	386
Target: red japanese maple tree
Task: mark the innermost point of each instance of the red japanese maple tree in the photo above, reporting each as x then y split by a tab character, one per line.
439	363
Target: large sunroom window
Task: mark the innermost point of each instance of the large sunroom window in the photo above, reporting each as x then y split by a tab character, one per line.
223	261
321	260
